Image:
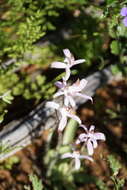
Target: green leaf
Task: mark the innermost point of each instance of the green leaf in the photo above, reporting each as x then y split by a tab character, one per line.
114	164
36	183
7	97
2	116
114	47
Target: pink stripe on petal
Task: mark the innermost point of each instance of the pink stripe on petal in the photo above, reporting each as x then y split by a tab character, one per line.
58	65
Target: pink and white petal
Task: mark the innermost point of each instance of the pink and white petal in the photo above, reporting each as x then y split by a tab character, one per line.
58	65
77	163
94	143
59	93
99	136
77	141
89	147
86	157
84	127
59	84
92	127
72	102
83	96
78	86
83	137
67	74
67	53
63	122
83	84
67	155
66	101
79	61
52	105
76	118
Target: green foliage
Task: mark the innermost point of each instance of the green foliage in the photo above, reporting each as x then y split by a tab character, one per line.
114	47
36	183
9	163
115	167
5	148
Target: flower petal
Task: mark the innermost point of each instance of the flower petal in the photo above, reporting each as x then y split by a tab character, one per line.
59	84
59	93
58	65
125	21
77	141
89	147
123	11
68	73
62	123
67	155
72	102
92	127
76	118
99	136
94	143
84	127
79	61
67	53
66	101
77	163
86	157
78	86
83	137
83	96
52	105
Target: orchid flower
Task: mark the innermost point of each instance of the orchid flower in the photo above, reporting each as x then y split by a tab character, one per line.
65	113
76	155
69	62
90	138
71	91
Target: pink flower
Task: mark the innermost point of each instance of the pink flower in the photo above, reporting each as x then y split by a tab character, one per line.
76	155
90	138
70	92
65	113
69	62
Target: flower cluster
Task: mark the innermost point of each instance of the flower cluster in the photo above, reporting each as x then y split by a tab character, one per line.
67	110
123	13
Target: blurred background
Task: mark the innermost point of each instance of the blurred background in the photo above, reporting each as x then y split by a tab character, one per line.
33	34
